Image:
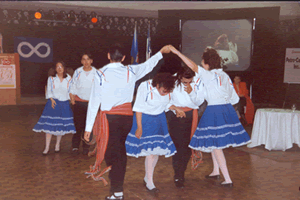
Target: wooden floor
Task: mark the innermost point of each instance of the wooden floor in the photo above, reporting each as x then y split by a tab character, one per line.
27	174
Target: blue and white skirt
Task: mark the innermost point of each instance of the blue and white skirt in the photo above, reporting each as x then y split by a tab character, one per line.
57	121
155	138
219	128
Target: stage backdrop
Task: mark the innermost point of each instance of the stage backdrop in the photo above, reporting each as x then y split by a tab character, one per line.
292	65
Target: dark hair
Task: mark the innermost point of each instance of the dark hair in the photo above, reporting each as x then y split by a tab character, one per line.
184	72
51	72
212	58
64	66
88	54
116	52
165	80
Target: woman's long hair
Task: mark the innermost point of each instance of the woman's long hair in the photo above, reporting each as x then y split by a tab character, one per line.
184	72
64	66
165	80
212	58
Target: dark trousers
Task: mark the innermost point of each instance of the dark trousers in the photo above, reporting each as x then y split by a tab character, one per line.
79	110
180	131
115	155
241	104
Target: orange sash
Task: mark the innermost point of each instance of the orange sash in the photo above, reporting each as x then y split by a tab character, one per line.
196	155
101	131
79	99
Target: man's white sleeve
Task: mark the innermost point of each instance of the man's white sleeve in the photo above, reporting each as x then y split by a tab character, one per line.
73	83
94	103
144	68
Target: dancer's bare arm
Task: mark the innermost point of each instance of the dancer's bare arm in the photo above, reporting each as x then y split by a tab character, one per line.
185	59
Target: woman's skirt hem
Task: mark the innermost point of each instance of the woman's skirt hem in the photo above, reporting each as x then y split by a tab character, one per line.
210	149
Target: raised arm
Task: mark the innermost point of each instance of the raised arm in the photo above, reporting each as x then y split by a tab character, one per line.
185	59
144	68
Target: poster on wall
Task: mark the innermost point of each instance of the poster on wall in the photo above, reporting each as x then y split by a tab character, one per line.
292	65
7	72
39	50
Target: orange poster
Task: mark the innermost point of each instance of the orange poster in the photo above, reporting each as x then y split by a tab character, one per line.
7	73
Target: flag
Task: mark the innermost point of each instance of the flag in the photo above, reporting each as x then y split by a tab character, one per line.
134	48
39	50
148	45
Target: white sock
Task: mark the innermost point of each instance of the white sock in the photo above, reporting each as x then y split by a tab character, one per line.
150	163
118	194
219	155
216	170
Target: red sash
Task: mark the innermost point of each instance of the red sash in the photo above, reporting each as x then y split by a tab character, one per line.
101	131
196	155
79	99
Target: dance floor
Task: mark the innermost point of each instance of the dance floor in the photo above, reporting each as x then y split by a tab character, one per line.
27	174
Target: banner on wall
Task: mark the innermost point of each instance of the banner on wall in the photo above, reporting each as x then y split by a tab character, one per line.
292	65
39	50
7	72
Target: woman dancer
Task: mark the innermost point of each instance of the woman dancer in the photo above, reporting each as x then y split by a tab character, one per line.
149	133
57	117
219	126
181	116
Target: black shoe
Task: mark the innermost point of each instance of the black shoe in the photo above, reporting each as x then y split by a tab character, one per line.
114	197
213	177
227	185
75	151
85	151
154	190
179	183
57	151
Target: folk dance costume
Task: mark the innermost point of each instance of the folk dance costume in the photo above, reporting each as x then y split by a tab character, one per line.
219	126
112	91
81	87
57	121
180	128
155	138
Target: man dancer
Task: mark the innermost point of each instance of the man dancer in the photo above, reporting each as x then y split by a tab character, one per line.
79	94
112	91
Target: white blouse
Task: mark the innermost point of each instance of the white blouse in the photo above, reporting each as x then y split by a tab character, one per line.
58	90
218	87
114	85
149	101
181	98
82	83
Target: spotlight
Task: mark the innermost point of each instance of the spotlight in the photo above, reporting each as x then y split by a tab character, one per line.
83	16
62	15
72	16
94	20
93	16
38	14
51	15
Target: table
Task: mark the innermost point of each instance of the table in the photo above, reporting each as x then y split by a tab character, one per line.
277	129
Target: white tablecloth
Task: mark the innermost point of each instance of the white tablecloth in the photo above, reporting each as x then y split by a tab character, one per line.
277	129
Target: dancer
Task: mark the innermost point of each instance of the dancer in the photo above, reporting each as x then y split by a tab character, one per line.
181	115
149	135
57	117
219	126
112	91
80	93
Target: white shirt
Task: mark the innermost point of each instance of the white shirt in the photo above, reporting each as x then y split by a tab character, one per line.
58	90
82	83
181	98
114	85
149	101
218	86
